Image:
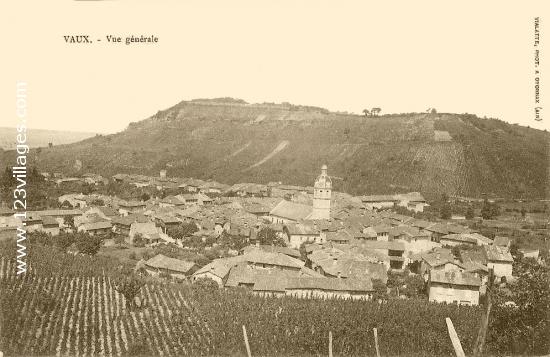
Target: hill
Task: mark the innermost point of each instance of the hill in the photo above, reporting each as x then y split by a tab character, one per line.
231	141
41	137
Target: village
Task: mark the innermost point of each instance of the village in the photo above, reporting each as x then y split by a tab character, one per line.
277	239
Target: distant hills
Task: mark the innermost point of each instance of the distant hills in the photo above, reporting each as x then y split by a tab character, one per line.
40	137
229	140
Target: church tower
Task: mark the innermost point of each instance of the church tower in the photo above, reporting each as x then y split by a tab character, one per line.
321	195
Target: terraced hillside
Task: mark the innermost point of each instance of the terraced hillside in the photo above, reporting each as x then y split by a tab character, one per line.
231	141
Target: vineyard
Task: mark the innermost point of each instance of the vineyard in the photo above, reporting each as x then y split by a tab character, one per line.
47	315
74	309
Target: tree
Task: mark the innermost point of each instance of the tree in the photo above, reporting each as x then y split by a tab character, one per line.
206	285
138	240
413	286
445	211
470	213
268	236
98	202
236	242
366	112
144	196
69	221
182	231
489	210
523	212
119	240
415	266
129	285
514	251
375	111
522	326
88	244
64	240
380	290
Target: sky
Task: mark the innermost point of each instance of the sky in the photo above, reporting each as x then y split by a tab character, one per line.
401	56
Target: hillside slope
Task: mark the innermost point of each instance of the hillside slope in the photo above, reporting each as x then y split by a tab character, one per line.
231	141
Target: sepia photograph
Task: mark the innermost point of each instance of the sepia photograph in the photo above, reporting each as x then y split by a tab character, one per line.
274	178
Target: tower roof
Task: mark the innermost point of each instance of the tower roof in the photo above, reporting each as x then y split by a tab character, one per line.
323	180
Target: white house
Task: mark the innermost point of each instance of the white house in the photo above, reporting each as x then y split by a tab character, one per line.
499	259
176	268
297	234
454	287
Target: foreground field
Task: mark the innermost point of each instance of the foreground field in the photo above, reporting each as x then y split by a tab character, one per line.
52	313
75	316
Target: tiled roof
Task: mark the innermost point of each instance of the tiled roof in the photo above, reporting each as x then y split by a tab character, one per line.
420	223
97	225
373	244
108	211
435	260
340	236
462	238
497	253
163	262
475	267
481	238
473	256
501	241
279	259
273	249
438	228
220	267
168	219
58	212
146	228
291	210
381	228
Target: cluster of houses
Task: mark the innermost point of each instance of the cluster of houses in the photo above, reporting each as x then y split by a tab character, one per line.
336	245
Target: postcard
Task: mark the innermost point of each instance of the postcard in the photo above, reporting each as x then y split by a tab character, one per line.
274	178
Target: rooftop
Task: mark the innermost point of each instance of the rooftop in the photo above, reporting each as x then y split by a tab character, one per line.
163	262
292	211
